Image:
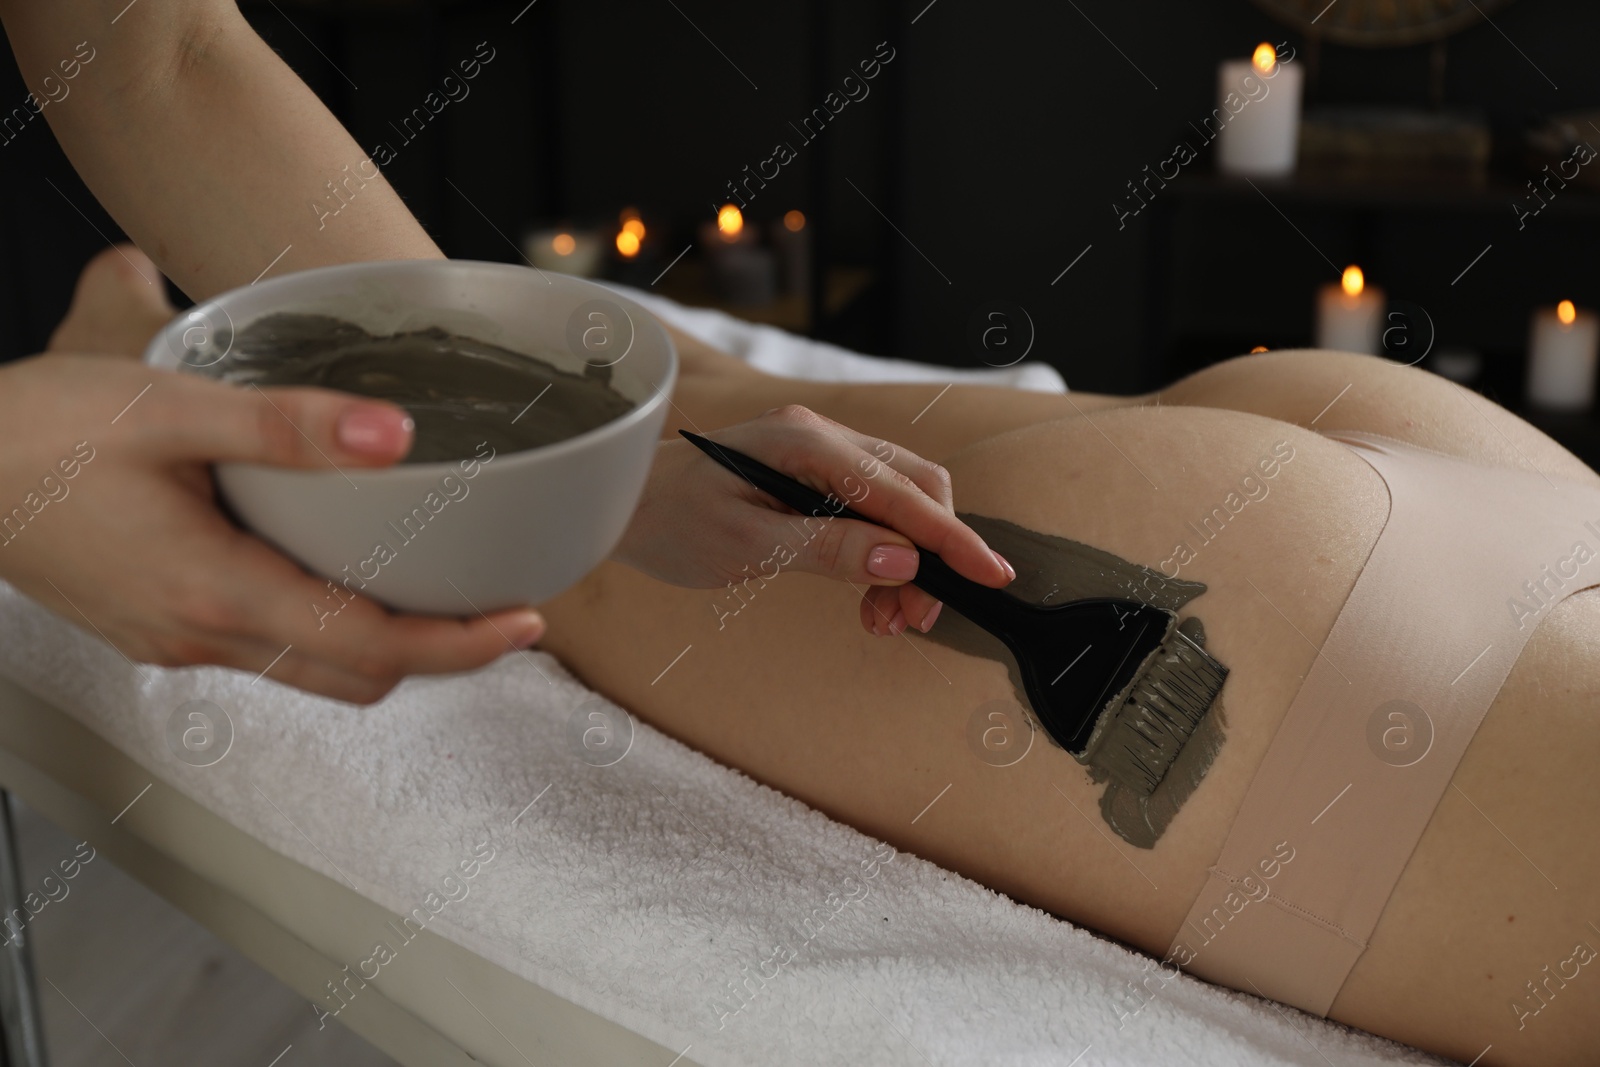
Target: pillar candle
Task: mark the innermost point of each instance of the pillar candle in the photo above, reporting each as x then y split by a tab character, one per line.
1561	357
791	237
742	272
1258	108
1350	315
568	251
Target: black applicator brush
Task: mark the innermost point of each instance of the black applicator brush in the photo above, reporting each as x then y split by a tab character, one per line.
1114	682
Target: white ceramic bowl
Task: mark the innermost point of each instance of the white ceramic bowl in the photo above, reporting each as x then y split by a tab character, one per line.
517	529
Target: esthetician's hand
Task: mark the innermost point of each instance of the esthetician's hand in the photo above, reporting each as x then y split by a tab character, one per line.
702	526
108	517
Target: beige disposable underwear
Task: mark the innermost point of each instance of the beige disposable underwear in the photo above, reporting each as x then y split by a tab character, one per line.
1470	560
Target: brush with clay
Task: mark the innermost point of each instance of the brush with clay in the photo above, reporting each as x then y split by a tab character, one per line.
1102	674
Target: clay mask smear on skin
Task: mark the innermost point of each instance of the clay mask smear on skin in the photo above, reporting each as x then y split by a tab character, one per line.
460	392
1053	570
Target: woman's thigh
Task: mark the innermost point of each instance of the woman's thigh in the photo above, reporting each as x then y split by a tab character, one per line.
1502	895
874	731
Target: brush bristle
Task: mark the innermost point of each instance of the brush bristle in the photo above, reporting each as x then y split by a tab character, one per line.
1160	711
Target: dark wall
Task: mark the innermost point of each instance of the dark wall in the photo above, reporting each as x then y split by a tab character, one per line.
49	224
1027	122
995	143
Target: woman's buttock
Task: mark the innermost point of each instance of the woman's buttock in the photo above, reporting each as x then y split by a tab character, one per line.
1486	935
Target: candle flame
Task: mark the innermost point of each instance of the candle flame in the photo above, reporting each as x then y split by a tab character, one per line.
1353	281
794	221
1265	59
628	244
1258	348
730	220
634	227
563	243
1567	313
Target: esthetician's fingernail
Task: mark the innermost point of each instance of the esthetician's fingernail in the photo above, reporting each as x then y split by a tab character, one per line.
930	617
527	631
893	561
1010	570
897	624
375	431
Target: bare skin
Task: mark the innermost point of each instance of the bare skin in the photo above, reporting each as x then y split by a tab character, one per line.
870	729
147	82
870	732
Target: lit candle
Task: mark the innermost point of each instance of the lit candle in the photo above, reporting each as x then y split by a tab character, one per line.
1258	111
1561	357
742	272
1350	315
630	238
568	251
793	241
726	231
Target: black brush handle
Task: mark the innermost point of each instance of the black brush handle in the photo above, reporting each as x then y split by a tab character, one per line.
990	608
1046	641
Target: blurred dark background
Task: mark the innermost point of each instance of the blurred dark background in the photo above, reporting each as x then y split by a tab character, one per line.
985	160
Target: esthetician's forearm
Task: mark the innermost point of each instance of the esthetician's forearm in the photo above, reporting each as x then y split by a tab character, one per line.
201	143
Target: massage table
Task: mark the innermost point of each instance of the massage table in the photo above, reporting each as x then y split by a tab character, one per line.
659	909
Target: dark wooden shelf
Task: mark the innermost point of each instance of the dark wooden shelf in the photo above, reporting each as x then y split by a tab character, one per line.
1401	189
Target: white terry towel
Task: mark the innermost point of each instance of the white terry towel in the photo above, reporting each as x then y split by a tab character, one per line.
652	890
776	352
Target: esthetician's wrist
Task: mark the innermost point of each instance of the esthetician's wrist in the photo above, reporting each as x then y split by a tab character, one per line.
39	454
33	417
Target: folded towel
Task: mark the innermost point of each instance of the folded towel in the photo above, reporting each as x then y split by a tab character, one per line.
776	352
663	891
